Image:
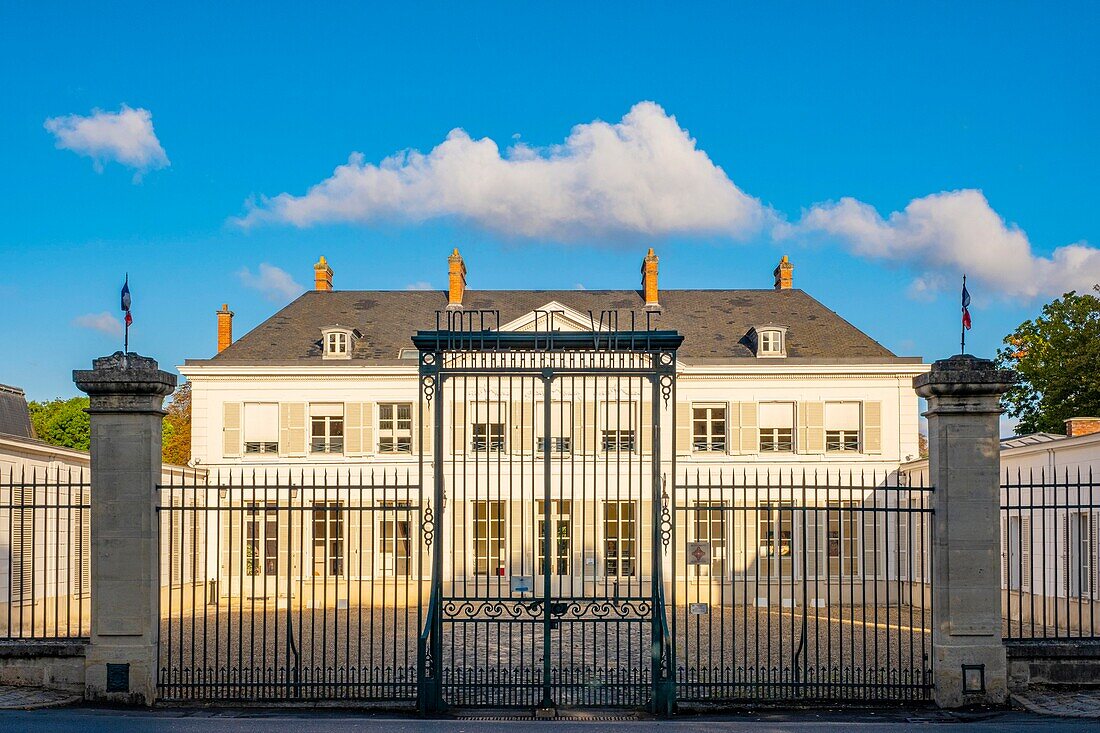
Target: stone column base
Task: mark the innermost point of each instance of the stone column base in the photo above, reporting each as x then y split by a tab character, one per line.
970	674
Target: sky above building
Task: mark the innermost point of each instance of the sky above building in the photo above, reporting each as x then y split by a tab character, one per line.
212	154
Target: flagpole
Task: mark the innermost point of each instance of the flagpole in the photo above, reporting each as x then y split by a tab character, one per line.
962	328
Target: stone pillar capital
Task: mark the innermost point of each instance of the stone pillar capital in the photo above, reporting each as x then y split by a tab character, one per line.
964	375
126	383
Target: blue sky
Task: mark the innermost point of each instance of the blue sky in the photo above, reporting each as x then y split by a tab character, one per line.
791	108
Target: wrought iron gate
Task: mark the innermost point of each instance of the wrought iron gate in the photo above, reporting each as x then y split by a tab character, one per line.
547	585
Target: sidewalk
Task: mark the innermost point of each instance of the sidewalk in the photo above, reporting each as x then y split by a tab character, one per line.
1083	703
32	698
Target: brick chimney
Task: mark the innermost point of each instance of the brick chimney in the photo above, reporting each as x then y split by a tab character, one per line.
225	327
1078	426
456	280
649	281
783	274
322	275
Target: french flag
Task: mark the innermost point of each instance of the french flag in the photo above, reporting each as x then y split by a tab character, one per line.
966	305
126	301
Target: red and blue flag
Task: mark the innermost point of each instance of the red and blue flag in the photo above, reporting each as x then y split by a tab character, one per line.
966	305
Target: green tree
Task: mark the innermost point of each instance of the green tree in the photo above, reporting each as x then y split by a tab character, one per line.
1057	358
62	422
176	438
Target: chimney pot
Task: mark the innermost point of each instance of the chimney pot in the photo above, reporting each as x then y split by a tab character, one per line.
649	281
1078	426
784	279
225	327
456	280
322	275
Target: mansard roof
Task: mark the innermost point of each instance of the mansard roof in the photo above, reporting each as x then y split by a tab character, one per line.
15	418
715	323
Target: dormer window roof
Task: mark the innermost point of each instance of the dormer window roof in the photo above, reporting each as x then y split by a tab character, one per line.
337	341
769	340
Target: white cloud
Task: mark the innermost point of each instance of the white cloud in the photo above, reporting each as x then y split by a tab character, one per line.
275	283
125	137
643	175
419	285
953	232
104	322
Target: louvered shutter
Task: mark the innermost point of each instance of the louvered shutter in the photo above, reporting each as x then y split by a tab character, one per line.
750	428
589	427
367	425
1005	574
683	428
872	427
231	429
458	426
84	546
1094	554
1025	553
523	416
646	424
292	428
425	427
353	428
733	427
811	427
22	550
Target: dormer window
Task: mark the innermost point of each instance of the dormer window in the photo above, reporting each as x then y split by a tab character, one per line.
337	344
337	341
770	341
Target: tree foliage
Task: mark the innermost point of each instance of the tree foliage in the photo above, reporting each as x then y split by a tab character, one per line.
176	439
1057	358
62	422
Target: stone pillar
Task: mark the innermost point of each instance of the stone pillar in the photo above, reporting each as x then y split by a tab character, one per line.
127	393
968	656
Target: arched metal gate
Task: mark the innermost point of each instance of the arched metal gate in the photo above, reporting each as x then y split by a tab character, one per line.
547	551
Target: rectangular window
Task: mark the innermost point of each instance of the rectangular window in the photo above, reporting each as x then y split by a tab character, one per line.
710	527
487	425
561	531
328	538
561	427
708	428
394	539
489	538
777	427
395	427
261	537
776	539
1080	566
326	428
620	536
488	437
842	427
841	542
261	428
620	426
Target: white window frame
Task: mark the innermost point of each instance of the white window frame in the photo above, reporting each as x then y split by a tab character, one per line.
618	523
266	447
390	428
333	444
495	567
710	436
777	436
848	440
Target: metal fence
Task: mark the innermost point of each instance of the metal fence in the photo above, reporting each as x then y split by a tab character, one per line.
45	538
801	586
291	585
1050	565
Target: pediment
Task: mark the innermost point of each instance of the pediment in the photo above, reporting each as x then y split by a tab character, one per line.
552	315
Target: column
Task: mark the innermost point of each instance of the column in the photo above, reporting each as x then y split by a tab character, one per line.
127	393
963	394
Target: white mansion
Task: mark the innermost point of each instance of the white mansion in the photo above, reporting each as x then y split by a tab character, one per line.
769	383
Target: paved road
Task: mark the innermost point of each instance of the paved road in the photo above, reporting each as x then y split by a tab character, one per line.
81	720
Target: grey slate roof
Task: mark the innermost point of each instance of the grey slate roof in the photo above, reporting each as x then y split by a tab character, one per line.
15	418
714	323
